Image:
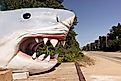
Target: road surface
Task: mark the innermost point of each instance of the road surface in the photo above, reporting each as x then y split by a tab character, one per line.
113	56
107	66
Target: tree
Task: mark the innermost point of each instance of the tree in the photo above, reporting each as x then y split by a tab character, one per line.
114	38
97	45
71	50
111	42
116	31
17	4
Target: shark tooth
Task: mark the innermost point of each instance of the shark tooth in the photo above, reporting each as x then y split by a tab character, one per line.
56	56
63	42
54	42
34	56
45	40
41	57
47	58
37	40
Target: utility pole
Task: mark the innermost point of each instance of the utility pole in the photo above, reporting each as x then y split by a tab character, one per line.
106	41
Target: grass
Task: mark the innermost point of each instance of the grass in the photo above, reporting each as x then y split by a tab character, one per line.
86	61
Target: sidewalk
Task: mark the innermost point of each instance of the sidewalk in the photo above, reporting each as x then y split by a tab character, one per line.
64	72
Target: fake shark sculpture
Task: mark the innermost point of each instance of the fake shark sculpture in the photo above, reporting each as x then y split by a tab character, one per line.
22	29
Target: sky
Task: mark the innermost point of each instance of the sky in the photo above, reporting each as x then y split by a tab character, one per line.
95	17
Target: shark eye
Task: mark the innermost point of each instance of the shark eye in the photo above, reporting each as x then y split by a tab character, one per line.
26	15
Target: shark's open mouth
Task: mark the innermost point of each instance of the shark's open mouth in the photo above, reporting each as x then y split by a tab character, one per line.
31	44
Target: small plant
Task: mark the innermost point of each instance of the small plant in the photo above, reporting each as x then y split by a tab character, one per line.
86	61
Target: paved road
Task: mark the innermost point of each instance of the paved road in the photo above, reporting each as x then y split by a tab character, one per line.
113	56
107	66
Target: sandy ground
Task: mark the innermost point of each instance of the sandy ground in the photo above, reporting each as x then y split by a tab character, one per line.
103	70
